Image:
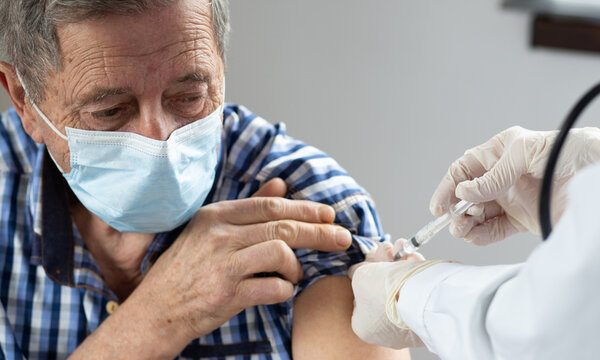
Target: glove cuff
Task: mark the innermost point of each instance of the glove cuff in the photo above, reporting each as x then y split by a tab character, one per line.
390	307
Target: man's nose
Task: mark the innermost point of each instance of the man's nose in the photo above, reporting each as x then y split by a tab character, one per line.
156	124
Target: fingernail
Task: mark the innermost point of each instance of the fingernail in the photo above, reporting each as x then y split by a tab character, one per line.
326	214
343	238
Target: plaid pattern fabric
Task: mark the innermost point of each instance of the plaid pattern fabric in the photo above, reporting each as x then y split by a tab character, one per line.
52	292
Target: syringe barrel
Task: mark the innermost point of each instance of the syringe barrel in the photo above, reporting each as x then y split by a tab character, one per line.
409	247
461	207
428	231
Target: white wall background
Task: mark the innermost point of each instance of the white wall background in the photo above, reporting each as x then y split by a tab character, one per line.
396	90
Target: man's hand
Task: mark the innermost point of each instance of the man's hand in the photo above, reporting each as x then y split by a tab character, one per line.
504	177
207	275
275	187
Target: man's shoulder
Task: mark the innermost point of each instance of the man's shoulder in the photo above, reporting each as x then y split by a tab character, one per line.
17	149
258	150
247	140
244	128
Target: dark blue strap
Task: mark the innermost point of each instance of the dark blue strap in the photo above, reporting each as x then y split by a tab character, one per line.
198	351
57	228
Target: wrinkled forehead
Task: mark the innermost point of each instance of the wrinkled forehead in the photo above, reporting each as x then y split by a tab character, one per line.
156	43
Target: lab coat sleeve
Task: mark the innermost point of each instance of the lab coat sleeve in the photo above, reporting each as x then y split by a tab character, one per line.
545	308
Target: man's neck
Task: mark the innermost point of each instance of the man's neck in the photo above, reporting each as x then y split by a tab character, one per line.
119	255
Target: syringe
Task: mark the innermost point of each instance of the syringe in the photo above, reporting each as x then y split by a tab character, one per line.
428	231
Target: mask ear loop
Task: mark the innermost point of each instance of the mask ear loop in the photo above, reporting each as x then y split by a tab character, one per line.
40	113
546	191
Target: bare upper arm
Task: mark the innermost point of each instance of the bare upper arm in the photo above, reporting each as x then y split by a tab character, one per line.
322	325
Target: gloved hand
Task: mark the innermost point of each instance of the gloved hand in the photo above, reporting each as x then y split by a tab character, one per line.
504	176
376	286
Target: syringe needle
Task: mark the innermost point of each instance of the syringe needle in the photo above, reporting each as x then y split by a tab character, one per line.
428	231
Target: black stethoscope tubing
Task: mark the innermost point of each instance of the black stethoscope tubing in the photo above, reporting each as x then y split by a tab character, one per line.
546	191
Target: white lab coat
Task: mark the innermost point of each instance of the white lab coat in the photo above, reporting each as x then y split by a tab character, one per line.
546	308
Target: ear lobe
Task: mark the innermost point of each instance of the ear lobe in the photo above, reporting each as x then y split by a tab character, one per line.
16	92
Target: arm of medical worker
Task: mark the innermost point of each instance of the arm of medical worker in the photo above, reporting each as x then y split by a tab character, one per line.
540	309
546	308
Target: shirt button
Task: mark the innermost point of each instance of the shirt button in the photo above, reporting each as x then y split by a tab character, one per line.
111	306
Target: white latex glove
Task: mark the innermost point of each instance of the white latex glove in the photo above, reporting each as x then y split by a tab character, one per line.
504	176
376	286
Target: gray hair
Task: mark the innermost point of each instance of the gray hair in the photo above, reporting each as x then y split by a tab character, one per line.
28	38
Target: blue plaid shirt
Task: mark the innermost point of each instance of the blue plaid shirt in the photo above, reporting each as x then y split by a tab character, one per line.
52	291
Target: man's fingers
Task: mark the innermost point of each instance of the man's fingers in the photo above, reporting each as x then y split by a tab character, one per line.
465	168
275	187
299	235
264	209
270	256
265	291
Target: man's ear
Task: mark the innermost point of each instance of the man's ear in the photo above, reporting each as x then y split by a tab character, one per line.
16	92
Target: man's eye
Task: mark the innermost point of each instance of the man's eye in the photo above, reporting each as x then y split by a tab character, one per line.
190	99
107	113
187	106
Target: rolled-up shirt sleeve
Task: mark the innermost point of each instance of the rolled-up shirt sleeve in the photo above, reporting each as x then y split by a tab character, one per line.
545	308
310	174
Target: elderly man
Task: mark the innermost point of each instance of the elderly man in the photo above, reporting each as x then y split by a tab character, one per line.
143	218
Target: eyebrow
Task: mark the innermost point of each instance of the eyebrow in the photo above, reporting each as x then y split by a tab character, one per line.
100	94
193	77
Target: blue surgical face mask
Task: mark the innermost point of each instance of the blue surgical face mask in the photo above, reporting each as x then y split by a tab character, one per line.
138	184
